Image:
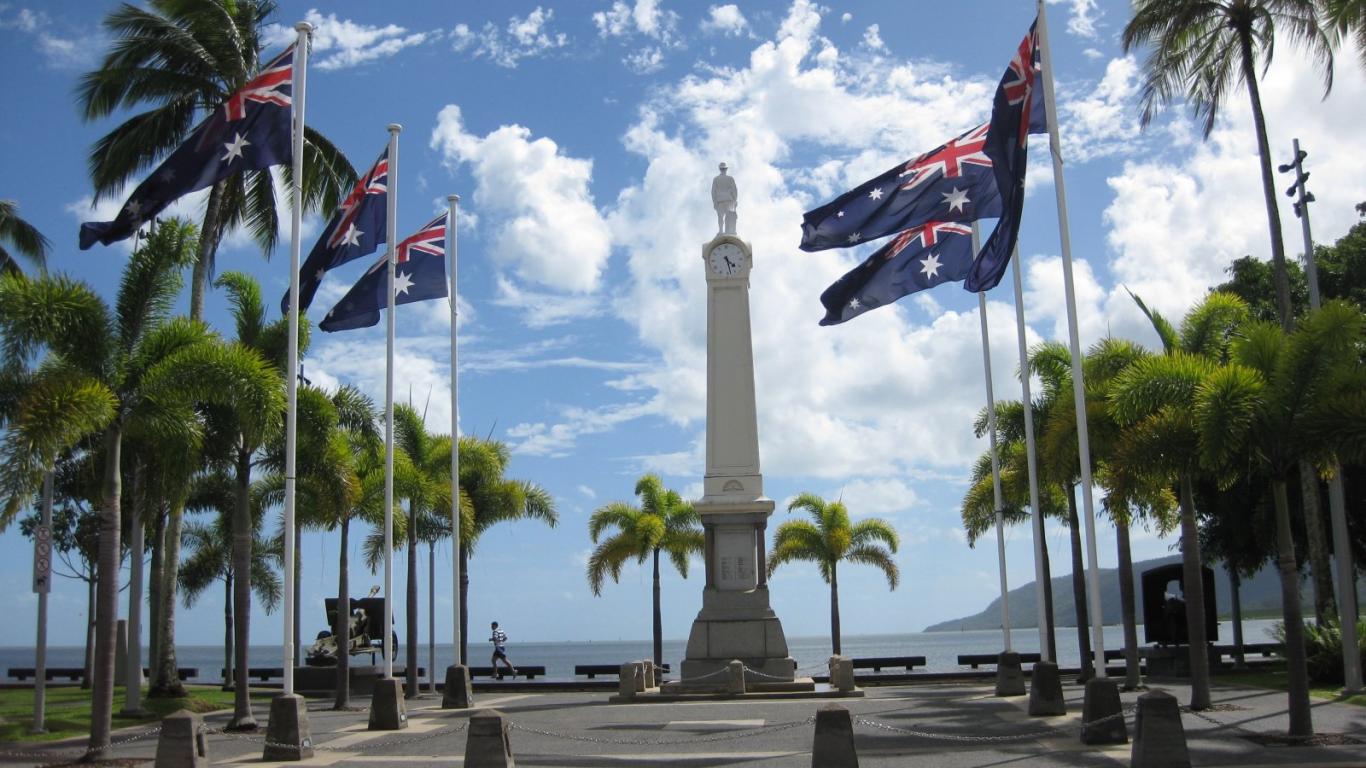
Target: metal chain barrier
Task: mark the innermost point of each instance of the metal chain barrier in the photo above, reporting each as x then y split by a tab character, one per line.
365	746
773	728
66	757
1049	731
751	671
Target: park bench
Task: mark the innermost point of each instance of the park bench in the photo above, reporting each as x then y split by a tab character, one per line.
76	673
975	660
261	673
593	670
876	663
528	672
1251	649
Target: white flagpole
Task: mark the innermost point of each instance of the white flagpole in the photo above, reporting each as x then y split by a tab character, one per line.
453	201
995	458
1040	577
292	363
392	245
1078	385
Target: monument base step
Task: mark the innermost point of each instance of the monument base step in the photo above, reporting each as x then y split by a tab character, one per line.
800	688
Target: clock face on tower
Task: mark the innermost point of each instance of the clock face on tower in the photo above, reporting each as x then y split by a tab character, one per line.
726	259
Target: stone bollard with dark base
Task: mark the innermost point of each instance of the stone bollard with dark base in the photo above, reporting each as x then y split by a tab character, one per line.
289	735
647	667
388	712
1009	676
626	680
487	745
735	679
1102	715
458	693
640	676
1045	691
833	745
182	744
842	673
1159	737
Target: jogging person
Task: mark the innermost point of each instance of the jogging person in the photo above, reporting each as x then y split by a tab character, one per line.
499	639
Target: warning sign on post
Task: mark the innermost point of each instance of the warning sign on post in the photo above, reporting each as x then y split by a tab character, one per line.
42	559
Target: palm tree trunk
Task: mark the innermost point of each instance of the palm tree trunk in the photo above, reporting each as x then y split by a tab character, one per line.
228	676
1194	587
834	610
1301	720
1280	277
464	604
1234	588
242	718
154	589
342	632
167	682
88	676
658	624
1320	567
208	245
1126	602
1088	668
107	598
1052	628
410	644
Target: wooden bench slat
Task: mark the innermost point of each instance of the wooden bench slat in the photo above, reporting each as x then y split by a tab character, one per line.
527	671
876	663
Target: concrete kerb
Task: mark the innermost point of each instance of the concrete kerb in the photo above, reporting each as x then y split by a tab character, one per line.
181	743
1159	736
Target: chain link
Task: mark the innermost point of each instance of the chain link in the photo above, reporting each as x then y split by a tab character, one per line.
1048	731
773	728
73	756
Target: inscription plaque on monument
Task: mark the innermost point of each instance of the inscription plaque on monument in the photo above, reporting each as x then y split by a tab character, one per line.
735	558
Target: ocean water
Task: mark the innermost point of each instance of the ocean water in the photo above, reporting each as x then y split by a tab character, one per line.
940	649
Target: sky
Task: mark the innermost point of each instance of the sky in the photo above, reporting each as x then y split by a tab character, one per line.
582	138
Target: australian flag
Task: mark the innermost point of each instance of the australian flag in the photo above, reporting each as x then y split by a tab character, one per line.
357	228
918	258
1012	120
953	182
420	274
250	131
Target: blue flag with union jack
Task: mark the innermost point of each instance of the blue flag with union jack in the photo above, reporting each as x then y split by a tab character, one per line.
356	229
918	258
250	131
420	274
953	182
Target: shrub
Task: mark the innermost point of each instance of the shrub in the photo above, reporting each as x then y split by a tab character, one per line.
1323	649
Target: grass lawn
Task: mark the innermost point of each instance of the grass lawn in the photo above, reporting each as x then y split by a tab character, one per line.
68	709
1276	679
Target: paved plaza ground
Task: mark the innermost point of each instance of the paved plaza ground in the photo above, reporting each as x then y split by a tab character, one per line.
954	725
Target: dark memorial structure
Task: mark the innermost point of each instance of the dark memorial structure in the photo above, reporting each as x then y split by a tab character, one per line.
319	676
1164	619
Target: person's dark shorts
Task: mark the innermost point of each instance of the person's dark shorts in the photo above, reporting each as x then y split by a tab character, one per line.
497	654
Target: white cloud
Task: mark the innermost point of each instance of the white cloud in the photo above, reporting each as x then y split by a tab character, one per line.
342	43
646	60
540	309
646	18
60	51
872	38
1084	17
556	440
523	37
1101	119
546	227
726	20
588	492
846	17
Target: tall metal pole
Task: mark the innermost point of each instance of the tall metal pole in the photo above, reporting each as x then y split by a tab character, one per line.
1036	514
392	262
1337	505
40	665
995	460
453	206
292	360
1078	385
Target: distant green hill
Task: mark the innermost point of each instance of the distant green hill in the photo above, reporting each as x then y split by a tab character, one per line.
1261	597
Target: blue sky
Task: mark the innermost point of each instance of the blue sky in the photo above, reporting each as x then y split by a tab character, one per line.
582	138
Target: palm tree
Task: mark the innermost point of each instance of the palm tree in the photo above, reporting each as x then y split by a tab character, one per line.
493	499
107	368
1348	17
429	465
663	522
830	539
1202	49
182	59
21	236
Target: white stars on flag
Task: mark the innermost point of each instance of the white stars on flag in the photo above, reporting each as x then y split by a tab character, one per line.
234	148
931	266
402	282
956	199
875	194
352	236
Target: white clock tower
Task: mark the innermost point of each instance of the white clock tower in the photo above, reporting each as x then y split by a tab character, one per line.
736	621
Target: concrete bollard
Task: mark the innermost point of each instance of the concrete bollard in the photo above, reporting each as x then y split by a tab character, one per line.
833	744
1009	676
289	735
487	745
388	712
735	681
1101	713
626	680
182	743
1159	737
640	676
459	693
842	673
648	667
1045	691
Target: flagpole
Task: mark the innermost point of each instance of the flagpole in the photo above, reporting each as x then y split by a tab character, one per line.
453	202
995	457
1040	576
292	361
391	241
1078	385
